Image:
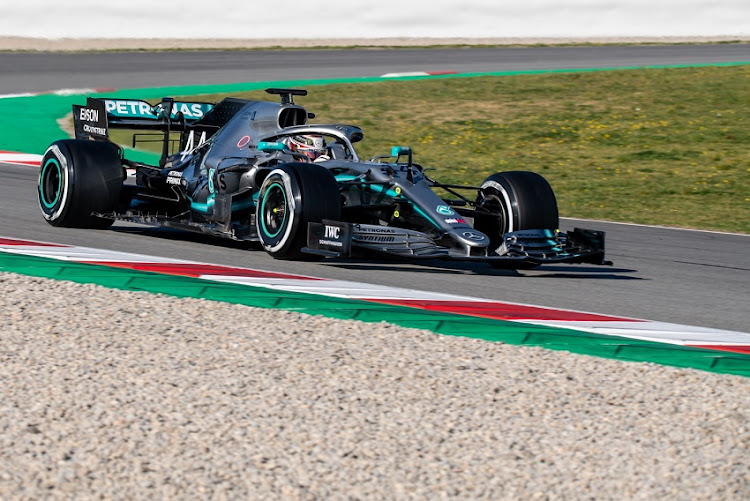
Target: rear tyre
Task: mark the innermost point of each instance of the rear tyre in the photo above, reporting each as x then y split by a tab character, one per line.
520	200
77	178
291	196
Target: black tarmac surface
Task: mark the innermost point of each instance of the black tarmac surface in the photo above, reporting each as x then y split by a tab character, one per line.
38	72
670	275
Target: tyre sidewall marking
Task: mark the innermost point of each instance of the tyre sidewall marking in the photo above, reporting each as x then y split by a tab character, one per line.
62	199
506	202
286	182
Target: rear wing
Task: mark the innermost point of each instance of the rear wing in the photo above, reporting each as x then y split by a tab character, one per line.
99	115
94	120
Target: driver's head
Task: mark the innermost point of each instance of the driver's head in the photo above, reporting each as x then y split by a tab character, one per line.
311	145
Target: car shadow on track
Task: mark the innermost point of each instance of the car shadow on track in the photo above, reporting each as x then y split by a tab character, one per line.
582	272
416	267
443	267
176	235
434	266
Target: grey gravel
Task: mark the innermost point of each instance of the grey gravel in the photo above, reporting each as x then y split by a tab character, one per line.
124	395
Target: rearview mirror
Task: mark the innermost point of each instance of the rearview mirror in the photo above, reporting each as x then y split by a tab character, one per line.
400	150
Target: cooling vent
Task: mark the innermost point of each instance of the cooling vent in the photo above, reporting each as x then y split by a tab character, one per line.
291	116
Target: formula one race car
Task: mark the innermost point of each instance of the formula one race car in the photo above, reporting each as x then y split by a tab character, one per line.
258	171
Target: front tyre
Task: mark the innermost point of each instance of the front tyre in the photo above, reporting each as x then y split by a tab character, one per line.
77	178
517	200
291	196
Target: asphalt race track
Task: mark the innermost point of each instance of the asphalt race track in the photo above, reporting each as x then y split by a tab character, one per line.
38	72
678	276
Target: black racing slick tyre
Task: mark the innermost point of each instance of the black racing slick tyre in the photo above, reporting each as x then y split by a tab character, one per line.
78	178
291	196
520	200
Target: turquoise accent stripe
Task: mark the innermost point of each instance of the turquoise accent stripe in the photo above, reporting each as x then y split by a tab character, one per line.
42	176
374	187
263	211
391	193
238	205
203	207
426	216
244	204
211	173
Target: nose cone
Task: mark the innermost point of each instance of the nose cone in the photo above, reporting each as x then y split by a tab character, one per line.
469	242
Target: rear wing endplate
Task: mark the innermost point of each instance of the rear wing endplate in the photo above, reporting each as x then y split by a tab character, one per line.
95	119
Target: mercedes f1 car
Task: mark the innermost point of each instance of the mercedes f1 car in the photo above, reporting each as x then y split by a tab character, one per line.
242	169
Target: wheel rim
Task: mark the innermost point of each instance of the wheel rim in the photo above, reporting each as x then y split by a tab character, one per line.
273	210
50	182
493	203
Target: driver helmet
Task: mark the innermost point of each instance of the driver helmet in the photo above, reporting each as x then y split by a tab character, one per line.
311	145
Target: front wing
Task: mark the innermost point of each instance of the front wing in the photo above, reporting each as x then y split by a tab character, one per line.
518	250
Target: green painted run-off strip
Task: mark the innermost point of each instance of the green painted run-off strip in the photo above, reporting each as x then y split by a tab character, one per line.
340	308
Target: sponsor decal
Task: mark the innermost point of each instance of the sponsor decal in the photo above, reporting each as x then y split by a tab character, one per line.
100	131
90	120
470	235
119	108
174	177
375	238
124	108
89	115
331	243
191	110
332	231
243	142
331	236
444	210
455	220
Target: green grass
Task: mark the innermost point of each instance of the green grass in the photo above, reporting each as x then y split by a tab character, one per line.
653	146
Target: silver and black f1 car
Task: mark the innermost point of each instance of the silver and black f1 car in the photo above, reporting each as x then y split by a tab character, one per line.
243	170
